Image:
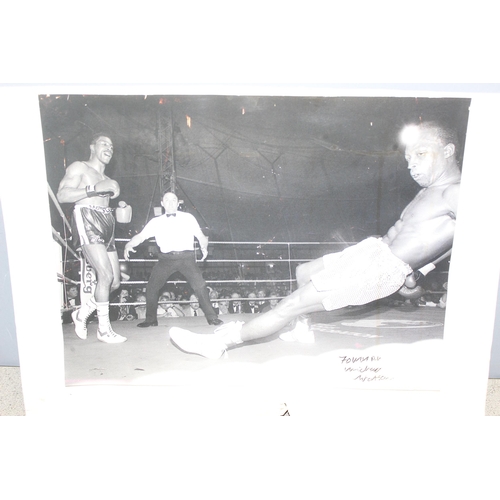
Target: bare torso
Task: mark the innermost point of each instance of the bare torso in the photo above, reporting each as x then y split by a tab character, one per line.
79	175
426	227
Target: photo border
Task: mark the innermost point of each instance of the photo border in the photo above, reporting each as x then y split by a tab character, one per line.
467	337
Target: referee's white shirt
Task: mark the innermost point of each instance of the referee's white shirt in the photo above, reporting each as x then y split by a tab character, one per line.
174	234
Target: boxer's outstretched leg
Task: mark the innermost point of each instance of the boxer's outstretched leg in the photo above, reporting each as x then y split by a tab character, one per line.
301	331
301	327
305	300
209	346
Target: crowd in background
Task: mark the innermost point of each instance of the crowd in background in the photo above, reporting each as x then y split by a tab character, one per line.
178	300
230	297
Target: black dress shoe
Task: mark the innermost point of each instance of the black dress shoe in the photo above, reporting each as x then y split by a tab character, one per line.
215	321
145	324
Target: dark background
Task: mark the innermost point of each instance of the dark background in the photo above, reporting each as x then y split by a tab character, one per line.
251	168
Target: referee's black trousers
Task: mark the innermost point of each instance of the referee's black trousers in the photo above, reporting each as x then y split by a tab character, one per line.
168	264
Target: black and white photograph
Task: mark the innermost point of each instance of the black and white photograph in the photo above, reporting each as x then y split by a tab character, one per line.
216	212
290	200
253	241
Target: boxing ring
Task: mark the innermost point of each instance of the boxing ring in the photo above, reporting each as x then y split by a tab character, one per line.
378	345
275	262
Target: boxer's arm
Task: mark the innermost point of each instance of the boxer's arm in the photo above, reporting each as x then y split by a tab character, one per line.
411	280
73	187
450	196
107	187
410	290
70	190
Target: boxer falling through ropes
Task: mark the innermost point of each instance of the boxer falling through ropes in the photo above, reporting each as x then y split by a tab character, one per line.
371	269
86	185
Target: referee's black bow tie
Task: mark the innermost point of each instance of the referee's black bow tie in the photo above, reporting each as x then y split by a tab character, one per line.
171	215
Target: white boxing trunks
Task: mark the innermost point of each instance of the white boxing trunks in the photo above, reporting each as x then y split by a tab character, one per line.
360	274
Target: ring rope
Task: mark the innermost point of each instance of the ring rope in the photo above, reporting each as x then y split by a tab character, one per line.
282	243
64	243
289	260
58	207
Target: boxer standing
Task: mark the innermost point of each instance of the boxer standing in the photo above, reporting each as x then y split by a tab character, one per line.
86	185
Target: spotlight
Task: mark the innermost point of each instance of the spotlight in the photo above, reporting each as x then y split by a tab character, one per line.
409	134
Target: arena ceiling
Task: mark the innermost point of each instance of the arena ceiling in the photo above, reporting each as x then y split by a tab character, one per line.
251	168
